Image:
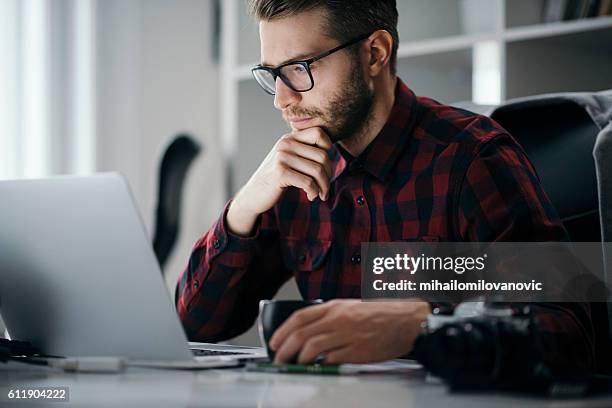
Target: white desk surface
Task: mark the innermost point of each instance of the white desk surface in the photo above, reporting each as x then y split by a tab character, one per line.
138	387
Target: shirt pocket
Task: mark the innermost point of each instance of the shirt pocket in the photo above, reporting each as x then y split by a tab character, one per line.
304	255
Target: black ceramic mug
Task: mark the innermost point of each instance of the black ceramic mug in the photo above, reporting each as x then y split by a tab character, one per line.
273	313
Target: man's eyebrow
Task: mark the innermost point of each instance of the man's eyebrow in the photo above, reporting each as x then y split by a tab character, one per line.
299	57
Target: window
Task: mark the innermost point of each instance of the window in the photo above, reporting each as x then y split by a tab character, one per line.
47	87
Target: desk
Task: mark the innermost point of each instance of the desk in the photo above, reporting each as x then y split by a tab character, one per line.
139	387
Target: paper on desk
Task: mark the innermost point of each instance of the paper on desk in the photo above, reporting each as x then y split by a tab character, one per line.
185	365
383	367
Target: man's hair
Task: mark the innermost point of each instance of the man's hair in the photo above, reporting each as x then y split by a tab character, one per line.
346	19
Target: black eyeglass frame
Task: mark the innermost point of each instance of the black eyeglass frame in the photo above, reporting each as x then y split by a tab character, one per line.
276	72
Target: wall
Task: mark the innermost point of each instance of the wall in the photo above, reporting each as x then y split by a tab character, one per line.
155	78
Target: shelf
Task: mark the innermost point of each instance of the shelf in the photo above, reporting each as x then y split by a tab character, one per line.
441	45
556	29
591	41
577	61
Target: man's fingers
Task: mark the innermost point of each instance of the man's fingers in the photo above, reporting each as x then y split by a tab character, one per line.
316	154
290	177
340	356
297	320
298	338
309	168
320	344
313	136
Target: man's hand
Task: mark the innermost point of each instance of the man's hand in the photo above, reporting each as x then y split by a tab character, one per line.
350	331
298	159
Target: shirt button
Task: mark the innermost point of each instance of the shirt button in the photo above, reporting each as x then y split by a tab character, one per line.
360	200
216	244
302	258
196	284
356	259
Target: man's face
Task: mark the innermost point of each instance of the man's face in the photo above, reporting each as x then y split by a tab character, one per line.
341	100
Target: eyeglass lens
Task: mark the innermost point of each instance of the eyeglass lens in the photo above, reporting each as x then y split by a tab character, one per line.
296	76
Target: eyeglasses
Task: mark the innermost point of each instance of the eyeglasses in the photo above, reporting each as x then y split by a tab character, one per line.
295	74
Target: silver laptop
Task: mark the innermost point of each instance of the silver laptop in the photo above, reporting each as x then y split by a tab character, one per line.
78	276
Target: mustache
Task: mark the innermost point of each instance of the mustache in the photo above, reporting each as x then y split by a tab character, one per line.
301	112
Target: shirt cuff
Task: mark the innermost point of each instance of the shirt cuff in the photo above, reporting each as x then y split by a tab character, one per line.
223	241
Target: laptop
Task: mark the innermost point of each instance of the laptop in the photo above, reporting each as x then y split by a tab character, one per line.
78	276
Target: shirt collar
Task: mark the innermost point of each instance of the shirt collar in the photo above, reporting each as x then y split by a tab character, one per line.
383	152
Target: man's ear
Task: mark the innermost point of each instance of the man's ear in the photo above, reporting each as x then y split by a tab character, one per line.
380	46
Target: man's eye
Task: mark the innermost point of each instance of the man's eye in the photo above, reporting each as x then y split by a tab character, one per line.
299	69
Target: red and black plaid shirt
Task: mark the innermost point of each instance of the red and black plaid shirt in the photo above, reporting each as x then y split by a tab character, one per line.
434	172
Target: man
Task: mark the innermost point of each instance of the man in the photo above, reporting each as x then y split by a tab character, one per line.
366	160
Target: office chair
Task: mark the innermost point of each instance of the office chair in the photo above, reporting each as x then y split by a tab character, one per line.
175	162
559	135
603	165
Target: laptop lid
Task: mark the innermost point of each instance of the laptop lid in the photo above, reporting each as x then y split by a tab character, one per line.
78	275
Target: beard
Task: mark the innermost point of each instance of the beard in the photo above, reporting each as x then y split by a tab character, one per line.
348	111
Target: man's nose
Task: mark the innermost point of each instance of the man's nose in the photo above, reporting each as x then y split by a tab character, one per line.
284	95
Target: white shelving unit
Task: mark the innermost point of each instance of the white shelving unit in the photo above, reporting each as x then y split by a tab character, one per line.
483	51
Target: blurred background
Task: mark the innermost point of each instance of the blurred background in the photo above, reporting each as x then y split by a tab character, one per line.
105	85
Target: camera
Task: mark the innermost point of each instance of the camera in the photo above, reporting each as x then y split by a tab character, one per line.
484	346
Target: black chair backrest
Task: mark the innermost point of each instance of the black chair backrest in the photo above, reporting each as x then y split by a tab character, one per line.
558	136
603	155
175	162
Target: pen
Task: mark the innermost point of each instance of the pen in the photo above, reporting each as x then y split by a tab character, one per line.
301	368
